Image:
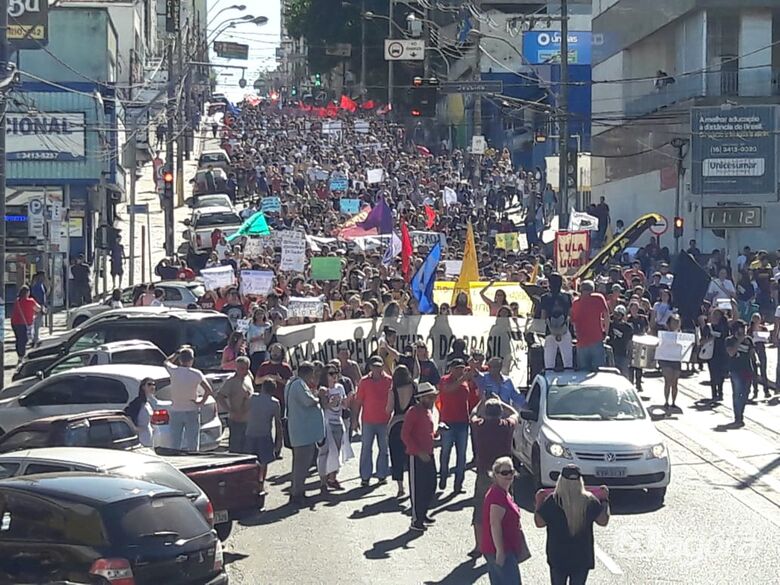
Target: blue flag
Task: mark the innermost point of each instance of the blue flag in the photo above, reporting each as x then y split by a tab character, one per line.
423	279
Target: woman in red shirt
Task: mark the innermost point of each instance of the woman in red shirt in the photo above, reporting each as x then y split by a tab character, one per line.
501	536
22	318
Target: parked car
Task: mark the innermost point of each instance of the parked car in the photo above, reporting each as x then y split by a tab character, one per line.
104	429
101	388
127	464
179	294
217	158
204	221
132	351
211	200
596	421
230	481
206	331
96	528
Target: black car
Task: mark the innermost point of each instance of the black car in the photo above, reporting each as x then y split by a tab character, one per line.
93	528
206	331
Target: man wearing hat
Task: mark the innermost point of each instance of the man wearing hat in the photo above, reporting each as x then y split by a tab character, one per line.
417	435
372	399
619	338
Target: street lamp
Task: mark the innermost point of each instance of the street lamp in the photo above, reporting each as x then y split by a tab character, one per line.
239	7
247	19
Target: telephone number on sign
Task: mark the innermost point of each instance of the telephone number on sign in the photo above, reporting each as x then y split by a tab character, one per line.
35	156
741	149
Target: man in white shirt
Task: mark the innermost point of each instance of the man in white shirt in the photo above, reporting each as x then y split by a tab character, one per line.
185	404
721	287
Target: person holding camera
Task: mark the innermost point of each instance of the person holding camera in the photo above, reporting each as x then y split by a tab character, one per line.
186	381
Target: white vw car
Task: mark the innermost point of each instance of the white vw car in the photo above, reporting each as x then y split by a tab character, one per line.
596	421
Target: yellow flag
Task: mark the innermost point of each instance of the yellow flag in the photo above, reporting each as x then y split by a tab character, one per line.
469	271
534	273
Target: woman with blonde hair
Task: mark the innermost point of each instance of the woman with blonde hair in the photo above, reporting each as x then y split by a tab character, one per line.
569	513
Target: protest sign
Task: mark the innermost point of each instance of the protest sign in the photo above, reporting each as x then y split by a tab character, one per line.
508	241
449	196
326	268
442	293
320	175
272	205
581	221
218	277
256	282
293	251
338	183
305	307
452	267
362	126
494	337
349	206
316	242
427	239
572	250
253	247
242	325
674	346
375	176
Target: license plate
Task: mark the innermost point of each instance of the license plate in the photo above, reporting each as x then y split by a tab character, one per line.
610	472
220	517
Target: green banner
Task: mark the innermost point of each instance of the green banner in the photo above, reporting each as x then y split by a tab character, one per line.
326	268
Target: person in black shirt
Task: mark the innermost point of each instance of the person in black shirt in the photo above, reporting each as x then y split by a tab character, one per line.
233	308
742	357
555	308
81	274
620	334
569	513
654	288
639	325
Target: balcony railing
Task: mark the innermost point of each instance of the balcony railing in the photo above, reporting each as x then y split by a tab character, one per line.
733	83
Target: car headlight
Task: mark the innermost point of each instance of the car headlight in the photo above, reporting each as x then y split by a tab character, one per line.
658	451
558	450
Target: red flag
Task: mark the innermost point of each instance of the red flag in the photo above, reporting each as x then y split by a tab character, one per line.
430	217
406	252
384	110
369	105
332	110
348	103
423	150
321	112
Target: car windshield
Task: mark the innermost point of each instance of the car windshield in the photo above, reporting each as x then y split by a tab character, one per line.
593	403
160	473
213	219
212	157
197	289
211	201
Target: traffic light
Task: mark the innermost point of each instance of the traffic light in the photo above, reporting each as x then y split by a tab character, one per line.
317	80
172	8
423	96
679	224
168	184
293	91
571	169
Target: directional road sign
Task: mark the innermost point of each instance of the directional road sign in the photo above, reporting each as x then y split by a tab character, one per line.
488	86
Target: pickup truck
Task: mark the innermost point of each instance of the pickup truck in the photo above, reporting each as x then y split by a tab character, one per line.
230	480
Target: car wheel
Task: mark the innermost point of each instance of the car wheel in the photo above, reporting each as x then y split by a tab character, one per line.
536	468
658	495
79	320
224	530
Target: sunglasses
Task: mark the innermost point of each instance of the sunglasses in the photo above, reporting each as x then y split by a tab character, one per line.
151	384
333	373
506	472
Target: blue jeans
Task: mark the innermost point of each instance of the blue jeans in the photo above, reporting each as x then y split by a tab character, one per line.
508	574
740	389
457	435
591	357
366	446
184	429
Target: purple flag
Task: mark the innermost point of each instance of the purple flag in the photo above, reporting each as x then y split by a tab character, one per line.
380	218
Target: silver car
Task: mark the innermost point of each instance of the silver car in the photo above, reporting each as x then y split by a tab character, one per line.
122	463
179	294
109	387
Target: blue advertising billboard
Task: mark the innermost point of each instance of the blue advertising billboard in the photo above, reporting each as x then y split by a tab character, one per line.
733	150
544	47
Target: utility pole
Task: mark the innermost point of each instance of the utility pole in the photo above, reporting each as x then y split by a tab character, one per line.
181	139
563	116
390	63
679	144
170	115
363	47
477	76
3	108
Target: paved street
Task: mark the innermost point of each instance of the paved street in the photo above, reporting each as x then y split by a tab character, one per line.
720	522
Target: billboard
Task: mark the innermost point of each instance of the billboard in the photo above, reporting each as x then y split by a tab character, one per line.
544	47
46	137
28	23
733	150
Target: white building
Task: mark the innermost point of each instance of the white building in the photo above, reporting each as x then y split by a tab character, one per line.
709	54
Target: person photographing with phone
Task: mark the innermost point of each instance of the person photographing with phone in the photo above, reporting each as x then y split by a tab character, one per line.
568	513
186	381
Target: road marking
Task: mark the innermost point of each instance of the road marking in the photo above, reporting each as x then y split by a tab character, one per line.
607	561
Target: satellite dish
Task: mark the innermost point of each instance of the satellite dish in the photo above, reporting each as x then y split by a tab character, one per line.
242	83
